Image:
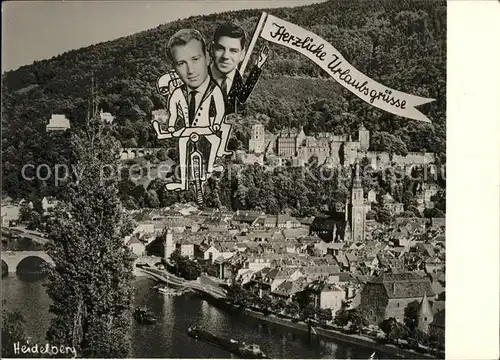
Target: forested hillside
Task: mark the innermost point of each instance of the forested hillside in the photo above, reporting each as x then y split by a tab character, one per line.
401	44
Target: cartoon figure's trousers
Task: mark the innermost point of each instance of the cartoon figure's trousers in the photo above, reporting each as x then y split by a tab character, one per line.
215	142
225	130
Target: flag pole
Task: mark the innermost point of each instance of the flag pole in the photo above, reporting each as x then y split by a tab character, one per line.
256	34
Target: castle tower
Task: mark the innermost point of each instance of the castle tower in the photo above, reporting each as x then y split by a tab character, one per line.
301	136
357	208
425	315
335	153
350	152
257	143
168	244
364	138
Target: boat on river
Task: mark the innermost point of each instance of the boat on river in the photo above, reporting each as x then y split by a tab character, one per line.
247	351
167	291
144	316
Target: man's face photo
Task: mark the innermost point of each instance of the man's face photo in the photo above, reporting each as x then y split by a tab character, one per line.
228	54
190	63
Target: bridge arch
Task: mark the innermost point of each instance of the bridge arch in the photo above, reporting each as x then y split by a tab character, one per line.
5	268
25	261
132	153
31	264
124	155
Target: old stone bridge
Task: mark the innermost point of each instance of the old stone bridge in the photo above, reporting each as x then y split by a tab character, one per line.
12	259
132	153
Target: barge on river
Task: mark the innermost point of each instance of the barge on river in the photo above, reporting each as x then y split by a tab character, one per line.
243	350
143	316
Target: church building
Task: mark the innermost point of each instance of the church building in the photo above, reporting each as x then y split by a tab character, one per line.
356	210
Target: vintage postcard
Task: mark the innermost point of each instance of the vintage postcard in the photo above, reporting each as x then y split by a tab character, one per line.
216	179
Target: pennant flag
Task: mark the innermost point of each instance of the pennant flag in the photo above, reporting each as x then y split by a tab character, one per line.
331	60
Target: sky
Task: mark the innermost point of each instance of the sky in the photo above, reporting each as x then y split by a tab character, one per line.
37	30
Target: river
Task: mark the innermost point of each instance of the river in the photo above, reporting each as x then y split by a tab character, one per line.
168	338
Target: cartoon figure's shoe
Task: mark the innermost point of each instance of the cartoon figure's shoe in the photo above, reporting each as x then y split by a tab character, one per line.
218	168
224	153
176	186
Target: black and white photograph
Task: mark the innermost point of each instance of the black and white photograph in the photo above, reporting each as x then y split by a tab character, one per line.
217	179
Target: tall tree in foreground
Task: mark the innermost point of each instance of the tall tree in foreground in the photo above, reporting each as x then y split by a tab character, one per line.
90	284
13	331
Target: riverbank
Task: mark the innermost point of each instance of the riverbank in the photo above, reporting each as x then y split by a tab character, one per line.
139	274
350	339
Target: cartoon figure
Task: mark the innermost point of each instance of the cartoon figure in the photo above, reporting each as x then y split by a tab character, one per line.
197	102
228	51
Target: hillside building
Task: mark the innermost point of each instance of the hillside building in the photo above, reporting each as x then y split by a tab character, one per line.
107	118
58	122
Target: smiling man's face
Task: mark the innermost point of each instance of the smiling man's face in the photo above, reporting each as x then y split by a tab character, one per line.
227	54
191	63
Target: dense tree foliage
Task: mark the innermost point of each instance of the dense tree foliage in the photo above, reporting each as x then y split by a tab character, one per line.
394	330
90	284
437	338
298	191
355	317
13	331
185	267
400	44
294	309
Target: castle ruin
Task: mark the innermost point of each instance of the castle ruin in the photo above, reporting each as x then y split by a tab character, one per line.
330	149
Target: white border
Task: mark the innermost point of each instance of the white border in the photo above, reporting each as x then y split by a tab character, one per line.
473	138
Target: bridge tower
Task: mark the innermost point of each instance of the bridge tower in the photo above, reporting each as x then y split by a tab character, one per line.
168	244
425	316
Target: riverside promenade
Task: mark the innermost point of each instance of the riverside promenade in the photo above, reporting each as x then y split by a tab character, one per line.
330	333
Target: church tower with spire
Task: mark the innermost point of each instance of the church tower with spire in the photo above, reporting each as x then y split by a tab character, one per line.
357	213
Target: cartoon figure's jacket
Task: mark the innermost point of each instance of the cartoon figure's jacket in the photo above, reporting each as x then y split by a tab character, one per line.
178	107
240	91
